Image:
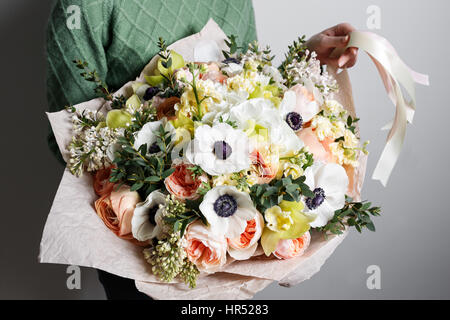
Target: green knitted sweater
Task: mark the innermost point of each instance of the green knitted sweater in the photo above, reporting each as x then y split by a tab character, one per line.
118	38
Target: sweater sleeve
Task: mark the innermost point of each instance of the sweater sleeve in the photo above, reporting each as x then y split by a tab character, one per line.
77	29
251	34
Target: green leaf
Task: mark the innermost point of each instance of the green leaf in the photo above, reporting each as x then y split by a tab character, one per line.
168	172
152	179
370	226
137	186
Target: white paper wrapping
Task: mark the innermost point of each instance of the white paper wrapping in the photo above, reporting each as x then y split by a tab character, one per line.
74	235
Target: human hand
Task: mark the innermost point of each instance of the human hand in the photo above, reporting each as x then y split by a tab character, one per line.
326	41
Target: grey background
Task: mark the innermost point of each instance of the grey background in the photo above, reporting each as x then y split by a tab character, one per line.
412	239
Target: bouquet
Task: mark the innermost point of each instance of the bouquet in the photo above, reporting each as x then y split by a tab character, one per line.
222	159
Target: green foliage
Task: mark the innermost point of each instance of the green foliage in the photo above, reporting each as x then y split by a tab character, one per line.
266	58
164	53
350	124
265	196
143	172
192	69
296	51
303	158
180	214
140	118
118	102
241	181
173	90
101	87
353	214
232	46
204	188
196	171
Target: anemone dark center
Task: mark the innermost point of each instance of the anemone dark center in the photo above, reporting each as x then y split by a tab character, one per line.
150	93
294	120
222	150
314	202
225	206
152	214
231	60
154	148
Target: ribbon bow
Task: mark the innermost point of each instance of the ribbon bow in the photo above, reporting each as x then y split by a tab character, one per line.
393	72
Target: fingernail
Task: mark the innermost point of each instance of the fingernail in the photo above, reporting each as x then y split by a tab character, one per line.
342	61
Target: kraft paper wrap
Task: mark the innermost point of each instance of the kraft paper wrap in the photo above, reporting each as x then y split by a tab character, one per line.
74	235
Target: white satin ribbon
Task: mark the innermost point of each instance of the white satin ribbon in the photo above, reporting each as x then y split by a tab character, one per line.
393	72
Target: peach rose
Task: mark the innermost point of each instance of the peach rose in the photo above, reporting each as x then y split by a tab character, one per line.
320	150
262	168
352	181
203	248
102	185
243	247
287	249
181	183
213	73
116	210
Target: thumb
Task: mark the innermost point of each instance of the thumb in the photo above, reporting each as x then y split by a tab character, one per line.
334	42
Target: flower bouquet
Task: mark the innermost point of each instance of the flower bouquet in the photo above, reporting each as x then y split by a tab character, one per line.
213	169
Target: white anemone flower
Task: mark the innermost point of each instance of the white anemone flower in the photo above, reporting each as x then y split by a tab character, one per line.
147	221
329	182
219	149
232	69
227	211
262	113
299	105
147	135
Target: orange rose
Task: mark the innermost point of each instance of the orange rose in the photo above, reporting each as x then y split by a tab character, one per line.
203	248
287	249
102	185
116	210
181	183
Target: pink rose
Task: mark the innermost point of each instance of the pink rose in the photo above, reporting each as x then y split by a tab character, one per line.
204	249
287	249
182	184
116	210
243	247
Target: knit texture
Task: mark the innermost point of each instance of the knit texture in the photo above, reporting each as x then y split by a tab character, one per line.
118	38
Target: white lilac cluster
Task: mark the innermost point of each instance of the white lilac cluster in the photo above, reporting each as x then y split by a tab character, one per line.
90	147
307	71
